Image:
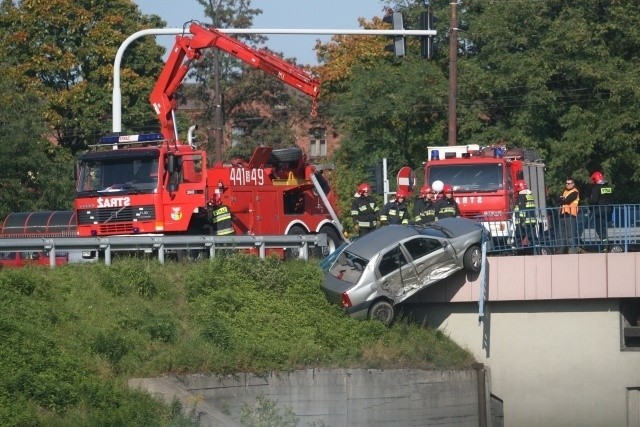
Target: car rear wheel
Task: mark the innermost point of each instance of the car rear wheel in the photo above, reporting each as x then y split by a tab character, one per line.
472	258
382	311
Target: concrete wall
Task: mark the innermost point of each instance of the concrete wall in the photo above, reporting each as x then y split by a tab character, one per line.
341	397
553	363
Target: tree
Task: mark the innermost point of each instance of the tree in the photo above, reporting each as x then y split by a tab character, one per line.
384	107
343	53
557	77
34	173
62	51
551	76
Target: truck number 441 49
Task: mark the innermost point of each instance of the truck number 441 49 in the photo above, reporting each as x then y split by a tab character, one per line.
240	176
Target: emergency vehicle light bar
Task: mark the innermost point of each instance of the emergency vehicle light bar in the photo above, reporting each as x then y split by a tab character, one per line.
117	139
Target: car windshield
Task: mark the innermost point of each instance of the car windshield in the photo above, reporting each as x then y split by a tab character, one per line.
348	267
472	178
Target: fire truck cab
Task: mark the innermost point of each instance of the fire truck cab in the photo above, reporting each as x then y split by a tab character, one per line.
483	181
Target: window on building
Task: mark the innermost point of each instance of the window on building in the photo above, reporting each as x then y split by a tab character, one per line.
630	324
237	132
317	142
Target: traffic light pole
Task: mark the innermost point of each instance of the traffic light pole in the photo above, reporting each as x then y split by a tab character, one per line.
385	180
117	96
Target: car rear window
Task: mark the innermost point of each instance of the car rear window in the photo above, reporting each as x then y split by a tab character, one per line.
348	267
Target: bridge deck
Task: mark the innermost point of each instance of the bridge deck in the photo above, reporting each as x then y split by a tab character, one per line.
553	277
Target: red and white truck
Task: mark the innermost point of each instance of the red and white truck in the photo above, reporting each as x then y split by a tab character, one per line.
158	184
483	181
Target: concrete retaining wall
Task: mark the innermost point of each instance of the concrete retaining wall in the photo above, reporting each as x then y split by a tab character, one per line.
341	397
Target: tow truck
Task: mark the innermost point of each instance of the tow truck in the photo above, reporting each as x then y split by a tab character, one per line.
158	184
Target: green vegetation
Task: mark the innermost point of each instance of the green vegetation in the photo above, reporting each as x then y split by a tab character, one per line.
70	337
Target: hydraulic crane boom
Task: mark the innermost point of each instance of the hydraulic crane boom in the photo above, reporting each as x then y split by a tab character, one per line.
188	47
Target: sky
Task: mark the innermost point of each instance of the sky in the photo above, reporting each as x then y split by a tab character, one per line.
294	14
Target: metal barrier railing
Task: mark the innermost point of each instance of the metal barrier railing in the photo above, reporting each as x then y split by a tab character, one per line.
160	245
614	228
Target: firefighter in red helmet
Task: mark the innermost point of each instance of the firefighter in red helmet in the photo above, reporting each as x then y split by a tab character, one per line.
395	212
447	207
600	201
424	209
364	210
525	211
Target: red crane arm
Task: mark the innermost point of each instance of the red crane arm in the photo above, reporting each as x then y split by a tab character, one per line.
188	48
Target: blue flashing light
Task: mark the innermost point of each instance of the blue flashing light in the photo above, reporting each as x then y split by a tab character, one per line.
435	155
498	152
121	139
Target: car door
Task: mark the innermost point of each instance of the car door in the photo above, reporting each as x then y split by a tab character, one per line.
434	259
396	274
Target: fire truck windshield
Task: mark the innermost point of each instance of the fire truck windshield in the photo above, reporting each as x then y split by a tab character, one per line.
487	177
118	174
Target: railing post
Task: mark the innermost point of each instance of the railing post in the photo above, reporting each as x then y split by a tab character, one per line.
161	254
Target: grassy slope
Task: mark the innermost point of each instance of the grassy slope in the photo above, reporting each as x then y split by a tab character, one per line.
70	337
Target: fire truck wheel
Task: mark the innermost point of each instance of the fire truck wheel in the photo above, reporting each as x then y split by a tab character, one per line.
333	241
472	259
294	253
284	155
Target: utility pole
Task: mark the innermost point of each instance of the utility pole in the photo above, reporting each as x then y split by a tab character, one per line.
453	72
217	113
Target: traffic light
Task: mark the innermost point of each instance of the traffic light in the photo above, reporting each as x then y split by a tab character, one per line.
375	179
427	46
396	20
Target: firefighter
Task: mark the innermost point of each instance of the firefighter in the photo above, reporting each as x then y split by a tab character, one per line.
395	212
424	210
569	218
221	218
364	210
525	209
447	207
600	201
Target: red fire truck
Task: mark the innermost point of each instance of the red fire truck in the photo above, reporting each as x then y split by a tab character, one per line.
483	178
157	184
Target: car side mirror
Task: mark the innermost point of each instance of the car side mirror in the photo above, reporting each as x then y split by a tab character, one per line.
445	244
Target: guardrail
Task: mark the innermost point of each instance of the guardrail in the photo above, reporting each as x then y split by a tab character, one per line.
163	244
614	228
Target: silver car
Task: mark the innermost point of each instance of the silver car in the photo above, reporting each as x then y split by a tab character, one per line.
369	276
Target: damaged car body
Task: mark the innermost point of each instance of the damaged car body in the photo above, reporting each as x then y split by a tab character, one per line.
371	275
